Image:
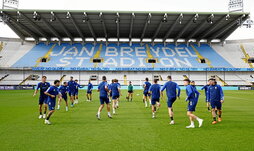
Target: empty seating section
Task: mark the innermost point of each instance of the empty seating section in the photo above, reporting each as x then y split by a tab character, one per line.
137	78
123	56
15	56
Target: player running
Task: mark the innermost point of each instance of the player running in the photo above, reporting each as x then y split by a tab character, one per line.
116	92
89	91
71	85
77	86
172	91
52	92
192	97
110	92
43	86
130	92
103	89
216	98
206	100
117	101
155	91
146	95
63	90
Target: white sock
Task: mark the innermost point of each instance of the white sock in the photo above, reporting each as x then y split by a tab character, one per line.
198	118
192	123
114	110
58	106
145	103
108	113
99	113
153	113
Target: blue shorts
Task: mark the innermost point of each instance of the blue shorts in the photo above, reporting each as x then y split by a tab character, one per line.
146	93
51	104
171	101
76	93
114	97
104	100
192	106
64	96
216	104
43	99
89	92
72	93
153	101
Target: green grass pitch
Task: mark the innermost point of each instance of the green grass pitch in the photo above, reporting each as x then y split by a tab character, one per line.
131	129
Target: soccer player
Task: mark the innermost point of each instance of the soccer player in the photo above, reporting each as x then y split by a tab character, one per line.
103	89
117	101
216	98
77	86
63	90
52	93
192	97
116	92
43	86
89	91
110	92
155	91
146	94
193	84
206	100
130	92
71	85
172	91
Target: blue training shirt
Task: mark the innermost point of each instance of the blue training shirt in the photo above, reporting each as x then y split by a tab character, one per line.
171	88
205	88
190	92
43	86
147	86
77	86
89	87
155	89
63	89
215	93
102	88
114	88
71	85
53	90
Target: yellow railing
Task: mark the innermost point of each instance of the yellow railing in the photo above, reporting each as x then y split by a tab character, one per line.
47	56
62	78
208	62
1	45
221	80
246	55
97	55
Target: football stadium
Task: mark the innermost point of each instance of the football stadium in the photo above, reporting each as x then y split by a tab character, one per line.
125	80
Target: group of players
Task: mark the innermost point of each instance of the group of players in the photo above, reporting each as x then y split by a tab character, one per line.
213	96
110	94
49	93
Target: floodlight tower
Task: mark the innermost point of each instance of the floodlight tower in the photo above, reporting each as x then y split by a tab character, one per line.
238	6
10	4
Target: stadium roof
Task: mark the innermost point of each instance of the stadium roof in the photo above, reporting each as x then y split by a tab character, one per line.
48	25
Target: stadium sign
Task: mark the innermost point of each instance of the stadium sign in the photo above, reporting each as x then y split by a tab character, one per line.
245	88
25	87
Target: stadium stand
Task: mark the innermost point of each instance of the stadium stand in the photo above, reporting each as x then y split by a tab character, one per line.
185	47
